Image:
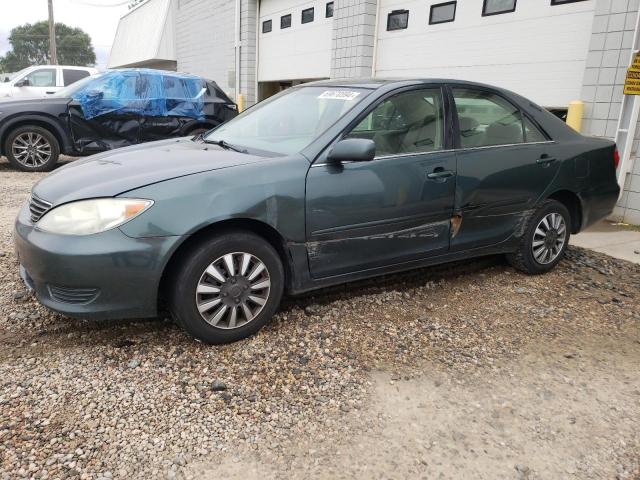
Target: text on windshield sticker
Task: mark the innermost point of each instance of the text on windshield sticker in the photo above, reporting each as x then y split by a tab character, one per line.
339	94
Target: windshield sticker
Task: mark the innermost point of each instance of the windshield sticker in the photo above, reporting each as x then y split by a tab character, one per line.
339	95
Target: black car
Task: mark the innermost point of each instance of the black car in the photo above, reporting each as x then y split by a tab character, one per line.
109	110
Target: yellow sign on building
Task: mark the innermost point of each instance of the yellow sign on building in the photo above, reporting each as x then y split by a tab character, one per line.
632	81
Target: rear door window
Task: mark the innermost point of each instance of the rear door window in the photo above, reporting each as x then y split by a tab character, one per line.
486	119
71	76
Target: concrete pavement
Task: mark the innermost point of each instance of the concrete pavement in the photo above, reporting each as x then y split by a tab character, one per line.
612	239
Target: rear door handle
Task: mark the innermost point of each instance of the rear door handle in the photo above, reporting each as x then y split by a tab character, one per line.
50	93
545	159
439	174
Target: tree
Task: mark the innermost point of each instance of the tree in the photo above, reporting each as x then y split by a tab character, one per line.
30	46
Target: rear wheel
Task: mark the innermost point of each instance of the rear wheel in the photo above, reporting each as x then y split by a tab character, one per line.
32	149
545	239
227	287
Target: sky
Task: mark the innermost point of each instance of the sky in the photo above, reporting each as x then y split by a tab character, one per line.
99	18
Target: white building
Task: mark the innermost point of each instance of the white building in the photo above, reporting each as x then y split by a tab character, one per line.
552	51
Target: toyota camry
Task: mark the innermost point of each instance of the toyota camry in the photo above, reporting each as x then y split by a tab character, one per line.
321	184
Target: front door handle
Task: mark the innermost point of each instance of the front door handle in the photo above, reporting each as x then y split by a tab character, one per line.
50	93
439	174
545	159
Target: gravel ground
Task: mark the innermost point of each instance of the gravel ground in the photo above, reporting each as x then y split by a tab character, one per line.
464	371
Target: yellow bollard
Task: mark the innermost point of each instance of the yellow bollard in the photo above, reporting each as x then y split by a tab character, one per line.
574	115
240	102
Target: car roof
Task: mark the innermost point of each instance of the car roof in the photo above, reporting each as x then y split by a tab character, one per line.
376	83
78	67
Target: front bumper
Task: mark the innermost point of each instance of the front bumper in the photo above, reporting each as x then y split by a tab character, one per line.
106	275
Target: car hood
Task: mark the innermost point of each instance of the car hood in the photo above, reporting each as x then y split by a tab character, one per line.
11	104
111	173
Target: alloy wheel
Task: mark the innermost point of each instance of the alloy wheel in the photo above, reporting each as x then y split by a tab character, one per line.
31	149
233	290
548	238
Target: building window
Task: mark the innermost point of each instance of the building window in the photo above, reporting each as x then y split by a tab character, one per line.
398	20
267	25
496	7
307	15
442	13
562	2
328	11
285	21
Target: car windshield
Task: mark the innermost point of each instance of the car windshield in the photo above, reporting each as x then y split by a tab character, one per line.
69	90
290	121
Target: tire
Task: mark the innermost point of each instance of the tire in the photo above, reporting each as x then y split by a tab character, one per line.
40	146
533	260
192	287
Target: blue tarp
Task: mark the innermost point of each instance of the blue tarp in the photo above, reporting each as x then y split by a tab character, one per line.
143	92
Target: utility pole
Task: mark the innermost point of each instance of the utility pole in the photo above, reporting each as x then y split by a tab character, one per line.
52	36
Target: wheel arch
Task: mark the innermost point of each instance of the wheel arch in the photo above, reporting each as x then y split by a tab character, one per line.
573	203
257	227
39	121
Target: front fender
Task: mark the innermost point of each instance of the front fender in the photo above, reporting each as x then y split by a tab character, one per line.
269	191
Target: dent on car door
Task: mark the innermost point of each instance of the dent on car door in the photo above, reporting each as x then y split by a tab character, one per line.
393	209
106	121
504	163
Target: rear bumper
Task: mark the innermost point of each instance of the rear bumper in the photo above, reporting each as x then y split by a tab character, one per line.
598	203
106	275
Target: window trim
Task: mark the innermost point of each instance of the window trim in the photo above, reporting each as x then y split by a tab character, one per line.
447	122
402	11
485	14
270	22
326	10
455	5
456	140
313	15
561	2
290	21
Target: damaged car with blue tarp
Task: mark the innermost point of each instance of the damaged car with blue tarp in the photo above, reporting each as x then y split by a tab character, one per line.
113	109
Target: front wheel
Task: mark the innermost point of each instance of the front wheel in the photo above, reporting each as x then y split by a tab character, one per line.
545	239
227	288
32	149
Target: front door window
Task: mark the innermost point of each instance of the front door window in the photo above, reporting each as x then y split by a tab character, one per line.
409	122
45	77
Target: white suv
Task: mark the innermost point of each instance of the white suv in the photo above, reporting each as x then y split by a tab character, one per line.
41	80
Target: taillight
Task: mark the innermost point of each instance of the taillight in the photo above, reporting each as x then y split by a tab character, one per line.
616	158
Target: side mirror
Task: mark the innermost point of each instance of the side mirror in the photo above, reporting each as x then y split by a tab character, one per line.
352	150
23	83
6	79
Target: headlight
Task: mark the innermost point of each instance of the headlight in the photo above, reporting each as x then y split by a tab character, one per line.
92	216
